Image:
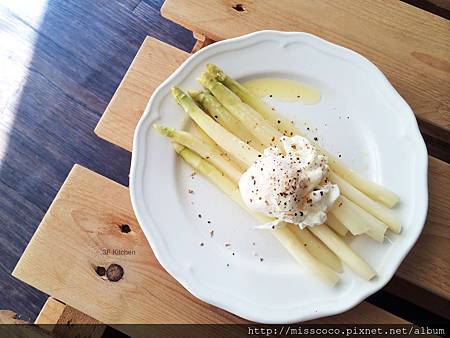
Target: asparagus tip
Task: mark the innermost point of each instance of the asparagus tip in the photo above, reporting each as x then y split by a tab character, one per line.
176	91
207	80
215	71
163	130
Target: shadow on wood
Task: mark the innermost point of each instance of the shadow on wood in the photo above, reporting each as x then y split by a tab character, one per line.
61	63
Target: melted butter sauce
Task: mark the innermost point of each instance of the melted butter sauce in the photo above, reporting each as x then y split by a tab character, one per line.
284	90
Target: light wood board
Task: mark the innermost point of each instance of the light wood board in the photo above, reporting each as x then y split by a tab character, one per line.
50	313
154	62
55	312
426	266
411	46
67	247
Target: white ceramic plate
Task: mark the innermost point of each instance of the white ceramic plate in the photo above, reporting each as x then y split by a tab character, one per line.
360	116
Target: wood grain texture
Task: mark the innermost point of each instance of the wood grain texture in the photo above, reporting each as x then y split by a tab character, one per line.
60	63
434	240
438	7
428	264
202	41
91	327
411	46
154	62
10	317
55	312
12	328
87	212
50	313
365	313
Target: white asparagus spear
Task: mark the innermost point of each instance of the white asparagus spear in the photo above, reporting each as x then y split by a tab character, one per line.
380	211
287	128
336	225
283	234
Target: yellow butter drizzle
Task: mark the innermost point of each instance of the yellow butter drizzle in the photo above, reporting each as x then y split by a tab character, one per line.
284	90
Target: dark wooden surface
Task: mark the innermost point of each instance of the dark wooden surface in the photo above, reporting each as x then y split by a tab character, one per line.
60	63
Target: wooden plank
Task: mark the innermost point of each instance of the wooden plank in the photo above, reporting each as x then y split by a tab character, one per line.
202	41
55	312
91	327
438	7
10	317
440	3
364	313
10	326
60	63
87	213
411	46
154	62
428	264
50	313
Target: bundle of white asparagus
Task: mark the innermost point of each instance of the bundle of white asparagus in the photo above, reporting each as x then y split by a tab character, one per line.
234	127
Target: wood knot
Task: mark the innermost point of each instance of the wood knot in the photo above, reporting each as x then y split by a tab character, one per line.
114	272
239	8
100	270
125	228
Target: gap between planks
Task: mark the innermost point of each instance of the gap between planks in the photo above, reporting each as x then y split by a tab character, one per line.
87	212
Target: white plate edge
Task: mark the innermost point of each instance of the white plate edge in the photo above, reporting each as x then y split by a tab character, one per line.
224	302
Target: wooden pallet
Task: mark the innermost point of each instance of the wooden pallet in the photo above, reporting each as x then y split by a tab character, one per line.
92	213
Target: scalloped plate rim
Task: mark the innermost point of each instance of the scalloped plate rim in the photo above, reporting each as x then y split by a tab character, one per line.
222	299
